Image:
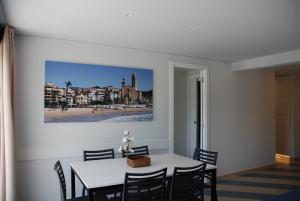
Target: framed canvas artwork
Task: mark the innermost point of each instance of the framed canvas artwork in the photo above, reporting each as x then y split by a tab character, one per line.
97	93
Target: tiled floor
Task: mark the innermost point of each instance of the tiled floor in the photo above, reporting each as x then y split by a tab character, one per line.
259	184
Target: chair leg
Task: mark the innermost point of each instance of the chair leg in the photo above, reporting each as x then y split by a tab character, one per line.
214	195
83	191
201	198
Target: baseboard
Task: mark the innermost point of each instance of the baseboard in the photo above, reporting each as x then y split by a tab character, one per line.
246	170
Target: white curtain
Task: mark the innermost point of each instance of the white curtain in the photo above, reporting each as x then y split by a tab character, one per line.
8	189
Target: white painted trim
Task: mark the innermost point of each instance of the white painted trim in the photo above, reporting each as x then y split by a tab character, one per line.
205	106
188	116
188	66
172	66
171	106
267	61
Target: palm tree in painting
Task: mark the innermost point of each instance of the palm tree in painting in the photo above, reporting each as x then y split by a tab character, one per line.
68	84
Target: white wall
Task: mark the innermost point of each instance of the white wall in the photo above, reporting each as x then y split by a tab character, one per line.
180	112
241	113
39	140
242	118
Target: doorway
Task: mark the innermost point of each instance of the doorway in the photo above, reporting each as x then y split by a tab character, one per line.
287	112
189	108
283	115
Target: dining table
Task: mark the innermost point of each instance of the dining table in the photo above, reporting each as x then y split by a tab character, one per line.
110	173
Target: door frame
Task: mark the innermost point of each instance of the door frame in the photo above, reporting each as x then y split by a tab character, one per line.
172	66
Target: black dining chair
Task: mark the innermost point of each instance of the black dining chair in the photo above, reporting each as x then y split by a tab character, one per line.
145	186
208	157
137	151
97	155
188	183
63	189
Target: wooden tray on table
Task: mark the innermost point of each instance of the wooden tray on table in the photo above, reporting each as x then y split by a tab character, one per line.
138	161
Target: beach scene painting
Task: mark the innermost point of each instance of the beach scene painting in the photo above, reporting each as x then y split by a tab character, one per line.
97	93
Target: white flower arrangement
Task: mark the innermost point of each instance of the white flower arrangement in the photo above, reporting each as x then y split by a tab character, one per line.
127	143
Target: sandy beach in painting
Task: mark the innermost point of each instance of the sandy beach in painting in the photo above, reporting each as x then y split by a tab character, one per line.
89	111
95	115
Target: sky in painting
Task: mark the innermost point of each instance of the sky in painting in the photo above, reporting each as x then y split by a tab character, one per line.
86	75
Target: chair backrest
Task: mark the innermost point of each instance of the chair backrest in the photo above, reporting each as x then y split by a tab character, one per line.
145	186
188	183
98	154
62	182
209	157
137	151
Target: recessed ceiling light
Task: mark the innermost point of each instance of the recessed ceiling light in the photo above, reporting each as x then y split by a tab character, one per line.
194	28
129	15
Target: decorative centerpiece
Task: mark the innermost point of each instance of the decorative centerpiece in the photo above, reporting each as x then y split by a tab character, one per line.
132	160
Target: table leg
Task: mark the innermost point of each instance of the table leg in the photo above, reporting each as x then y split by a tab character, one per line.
90	195
73	183
214	196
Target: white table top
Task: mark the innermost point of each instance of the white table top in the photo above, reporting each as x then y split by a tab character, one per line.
101	173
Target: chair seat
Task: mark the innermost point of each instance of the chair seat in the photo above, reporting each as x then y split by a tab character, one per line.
78	199
85	198
116	196
119	198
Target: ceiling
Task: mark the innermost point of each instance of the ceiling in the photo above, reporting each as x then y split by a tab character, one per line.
223	30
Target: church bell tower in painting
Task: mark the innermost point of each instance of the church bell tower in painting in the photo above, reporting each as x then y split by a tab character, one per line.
134	81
